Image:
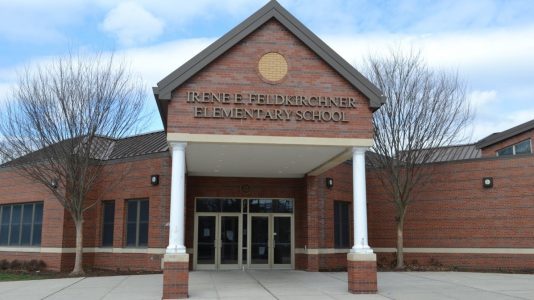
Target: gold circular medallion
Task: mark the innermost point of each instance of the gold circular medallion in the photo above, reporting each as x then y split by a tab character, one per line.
272	66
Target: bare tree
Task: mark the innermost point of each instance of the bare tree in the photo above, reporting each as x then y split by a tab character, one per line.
425	109
62	121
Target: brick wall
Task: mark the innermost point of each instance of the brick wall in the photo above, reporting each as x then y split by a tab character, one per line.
236	71
455	211
320	219
492	149
15	188
134	176
58	228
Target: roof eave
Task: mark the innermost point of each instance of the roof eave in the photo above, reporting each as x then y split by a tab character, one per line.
501	136
162	113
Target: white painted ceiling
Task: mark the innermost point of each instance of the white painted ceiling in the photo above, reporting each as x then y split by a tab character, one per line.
244	160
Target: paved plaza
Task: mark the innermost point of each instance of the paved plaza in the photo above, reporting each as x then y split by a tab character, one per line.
259	285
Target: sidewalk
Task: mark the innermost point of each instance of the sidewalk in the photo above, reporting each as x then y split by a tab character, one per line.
259	285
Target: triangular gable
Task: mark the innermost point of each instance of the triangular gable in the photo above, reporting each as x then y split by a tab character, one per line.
271	10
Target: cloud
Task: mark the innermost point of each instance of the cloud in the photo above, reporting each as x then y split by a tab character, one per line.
481	99
501	122
495	59
151	63
155	62
132	24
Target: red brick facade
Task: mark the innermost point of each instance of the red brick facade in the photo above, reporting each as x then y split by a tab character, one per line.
236	72
456	211
58	234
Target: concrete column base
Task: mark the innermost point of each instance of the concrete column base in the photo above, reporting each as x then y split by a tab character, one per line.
175	276
361	271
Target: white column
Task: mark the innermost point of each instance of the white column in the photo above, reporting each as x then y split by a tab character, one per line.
177	216
359	202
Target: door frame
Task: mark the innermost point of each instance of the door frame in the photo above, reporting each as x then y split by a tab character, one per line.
217	259
270	264
241	264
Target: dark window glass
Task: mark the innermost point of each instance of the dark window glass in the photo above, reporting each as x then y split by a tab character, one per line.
14	237
283	206
523	147
208	205
341	224
261	205
137	223
143	223
20	224
231	205
27	216
108	222
506	151
37	224
4	224
271	205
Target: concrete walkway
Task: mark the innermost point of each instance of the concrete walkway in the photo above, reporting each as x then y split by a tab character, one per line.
258	285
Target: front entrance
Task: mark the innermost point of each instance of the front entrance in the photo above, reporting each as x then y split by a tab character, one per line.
270	241
243	233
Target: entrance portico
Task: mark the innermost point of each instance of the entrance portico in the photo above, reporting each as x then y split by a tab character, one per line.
261	157
263	115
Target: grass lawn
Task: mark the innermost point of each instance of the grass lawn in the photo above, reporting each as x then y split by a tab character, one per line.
6	276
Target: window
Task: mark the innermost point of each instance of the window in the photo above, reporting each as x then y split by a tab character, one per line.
108	222
523	147
341	224
137	223
21	224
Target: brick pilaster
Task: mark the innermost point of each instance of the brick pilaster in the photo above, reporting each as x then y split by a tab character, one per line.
361	272
175	276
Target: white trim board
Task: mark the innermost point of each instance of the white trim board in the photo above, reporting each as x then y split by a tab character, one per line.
85	250
530	251
267	140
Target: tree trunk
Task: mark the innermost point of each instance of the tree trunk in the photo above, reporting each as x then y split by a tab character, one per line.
78	269
400	242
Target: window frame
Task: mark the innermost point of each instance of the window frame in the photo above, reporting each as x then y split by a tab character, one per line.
341	231
137	222
32	224
103	223
513	146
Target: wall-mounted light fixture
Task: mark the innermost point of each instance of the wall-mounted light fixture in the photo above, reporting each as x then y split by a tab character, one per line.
329	182
154	179
53	183
487	182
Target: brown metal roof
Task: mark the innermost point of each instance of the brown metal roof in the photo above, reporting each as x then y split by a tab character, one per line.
144	144
458	152
105	148
503	135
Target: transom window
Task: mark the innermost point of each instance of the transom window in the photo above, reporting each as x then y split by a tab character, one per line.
242	205
523	147
21	224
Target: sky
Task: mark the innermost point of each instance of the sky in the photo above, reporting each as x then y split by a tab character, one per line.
490	43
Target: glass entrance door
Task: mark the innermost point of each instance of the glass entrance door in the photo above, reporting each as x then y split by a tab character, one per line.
270	241
282	241
229	242
218	241
259	241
